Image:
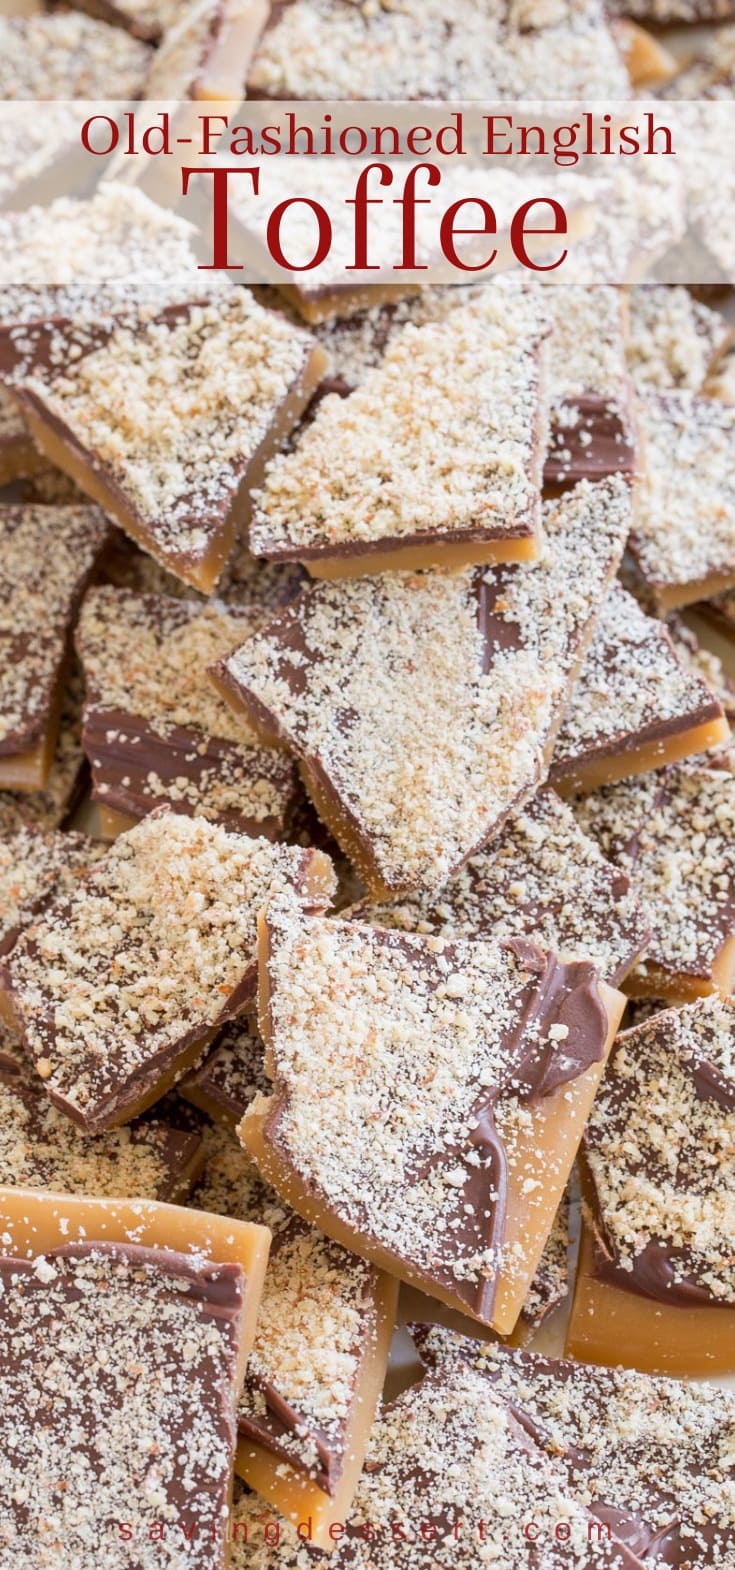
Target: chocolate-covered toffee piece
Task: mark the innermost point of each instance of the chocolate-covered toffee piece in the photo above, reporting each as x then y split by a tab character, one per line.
154	728
120	987
206	51
703	661
435	459
672	832
48	556
335	49
177	467
719	614
460	1073
452	1479
230	1076
320	1353
649	1457
52	807
636	705
593	429
542	878
41	1148
423	707
111	257
35	867
125	1328
673	340
663	12
683	537
656	1283
67	55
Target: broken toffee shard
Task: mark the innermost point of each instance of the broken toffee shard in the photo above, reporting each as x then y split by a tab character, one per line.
672	832
134	1419
650	1458
542	878
423	707
452	1478
120	987
683	535
176	468
436	459
154	729
448	1171
636	705
319	1357
655	1284
48	556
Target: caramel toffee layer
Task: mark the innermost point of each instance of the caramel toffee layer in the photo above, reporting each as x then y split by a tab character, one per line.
411	1156
36	867
442	443
673	831
145	958
550	1284
48	555
658	1152
451	1480
649	1457
316	1323
41	1148
358	678
154	728
132	1419
634	692
542	878
205	386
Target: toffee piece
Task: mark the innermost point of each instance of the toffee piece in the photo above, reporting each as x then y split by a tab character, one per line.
447	1168
52	807
120	987
114	256
542	878
422	708
37	866
41	1148
147	19
673	340
319	1358
683	537
156	732
656	1285
673	832
593	427
435	459
48	556
636	705
230	1076
651	1458
210	390
452	1479
133	1420
67	55
334	49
